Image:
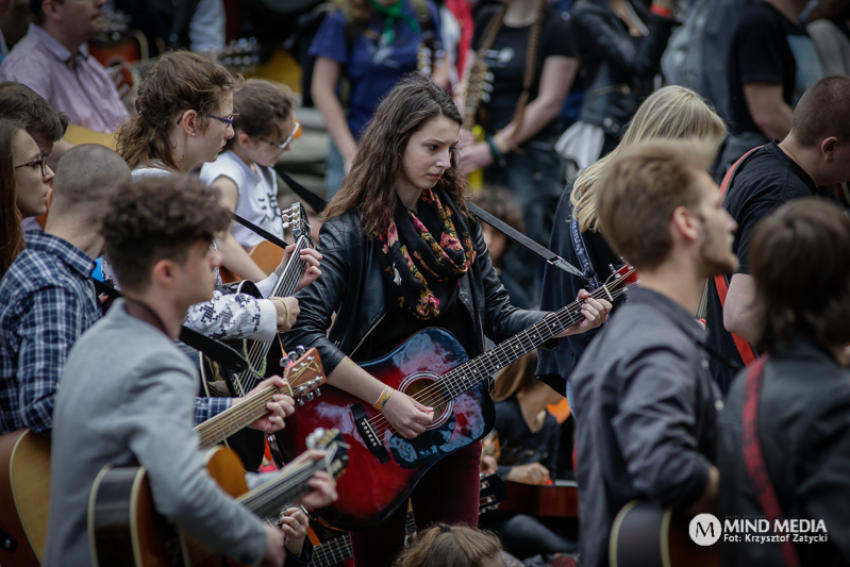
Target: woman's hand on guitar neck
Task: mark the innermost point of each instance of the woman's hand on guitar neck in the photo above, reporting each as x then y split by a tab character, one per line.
293	523
407	416
595	313
322	485
311	258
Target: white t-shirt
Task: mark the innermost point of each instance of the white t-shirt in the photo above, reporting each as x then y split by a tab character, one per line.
257	196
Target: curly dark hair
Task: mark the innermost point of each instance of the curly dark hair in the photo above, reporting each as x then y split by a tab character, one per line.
155	218
798	260
179	81
370	186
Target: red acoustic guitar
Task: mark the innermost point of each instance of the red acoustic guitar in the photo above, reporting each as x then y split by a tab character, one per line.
433	368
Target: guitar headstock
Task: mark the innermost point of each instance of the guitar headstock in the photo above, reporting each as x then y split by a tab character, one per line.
239	55
493	491
333	444
304	373
295	218
623	276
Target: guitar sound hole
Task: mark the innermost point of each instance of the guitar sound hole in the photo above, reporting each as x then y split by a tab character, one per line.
426	392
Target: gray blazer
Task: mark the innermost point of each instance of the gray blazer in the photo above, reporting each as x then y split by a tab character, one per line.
127	394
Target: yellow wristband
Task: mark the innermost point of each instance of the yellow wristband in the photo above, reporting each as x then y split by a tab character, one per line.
383	398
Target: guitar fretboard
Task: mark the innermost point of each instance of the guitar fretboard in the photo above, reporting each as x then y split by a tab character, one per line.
284	287
469	374
332	552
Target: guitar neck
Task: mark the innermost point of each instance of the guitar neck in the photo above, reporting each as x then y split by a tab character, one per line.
468	375
285	287
219	427
288	280
332	552
267	500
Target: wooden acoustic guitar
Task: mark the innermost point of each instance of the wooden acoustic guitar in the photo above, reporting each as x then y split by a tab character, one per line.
646	535
433	368
125	529
25	462
24	497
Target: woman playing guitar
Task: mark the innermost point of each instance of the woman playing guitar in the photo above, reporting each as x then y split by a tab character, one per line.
401	253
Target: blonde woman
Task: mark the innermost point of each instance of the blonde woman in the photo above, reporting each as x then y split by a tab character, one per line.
671	112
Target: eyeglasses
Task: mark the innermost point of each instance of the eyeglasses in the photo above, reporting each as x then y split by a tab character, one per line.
296	133
40	162
225	119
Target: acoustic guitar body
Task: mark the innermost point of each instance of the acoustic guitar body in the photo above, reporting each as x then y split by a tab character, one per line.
646	535
371	489
24	497
123	525
265	254
125	528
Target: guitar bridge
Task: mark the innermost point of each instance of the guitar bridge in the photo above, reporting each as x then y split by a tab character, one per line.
368	433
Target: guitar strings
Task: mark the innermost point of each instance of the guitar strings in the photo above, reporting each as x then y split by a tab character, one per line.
285	285
431	395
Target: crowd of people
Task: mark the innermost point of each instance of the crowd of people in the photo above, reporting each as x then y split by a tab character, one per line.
717	388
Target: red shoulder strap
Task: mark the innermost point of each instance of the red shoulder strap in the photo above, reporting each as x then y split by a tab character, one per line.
754	458
720	282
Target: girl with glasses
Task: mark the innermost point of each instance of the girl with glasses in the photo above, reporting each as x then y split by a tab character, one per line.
265	126
184	116
24	188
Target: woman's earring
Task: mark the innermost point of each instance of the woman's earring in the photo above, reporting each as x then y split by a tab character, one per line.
194	133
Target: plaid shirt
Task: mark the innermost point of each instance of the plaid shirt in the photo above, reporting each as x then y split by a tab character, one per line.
47	300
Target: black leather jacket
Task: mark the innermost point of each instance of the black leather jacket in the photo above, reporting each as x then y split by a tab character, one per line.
352	285
619	68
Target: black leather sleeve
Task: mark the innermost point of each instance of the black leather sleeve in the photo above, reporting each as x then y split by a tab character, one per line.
601	35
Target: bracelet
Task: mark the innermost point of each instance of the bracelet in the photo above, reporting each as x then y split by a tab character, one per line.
497	154
285	311
382	400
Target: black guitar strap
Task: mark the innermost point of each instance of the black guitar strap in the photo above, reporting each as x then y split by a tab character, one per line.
518	237
316	203
273	238
216	350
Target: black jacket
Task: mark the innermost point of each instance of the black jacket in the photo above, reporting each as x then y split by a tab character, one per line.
619	69
352	285
803	427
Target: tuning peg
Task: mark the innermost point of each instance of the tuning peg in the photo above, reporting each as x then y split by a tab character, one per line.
300	350
299	401
309	396
318	392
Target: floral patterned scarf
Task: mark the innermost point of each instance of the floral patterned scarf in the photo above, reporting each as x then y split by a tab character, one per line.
424	255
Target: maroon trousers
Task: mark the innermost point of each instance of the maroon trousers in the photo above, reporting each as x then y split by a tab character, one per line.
449	493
